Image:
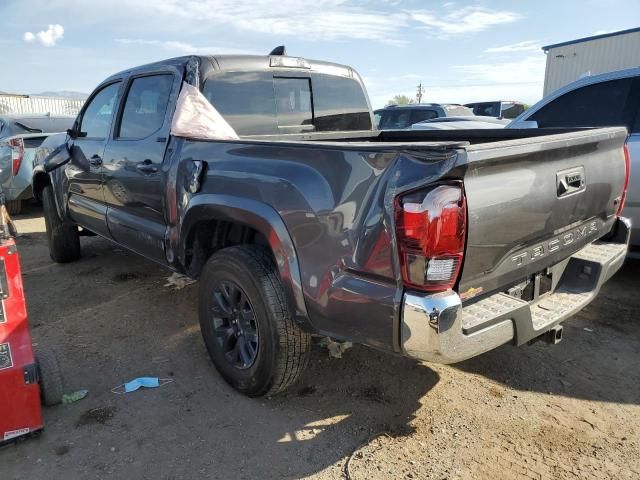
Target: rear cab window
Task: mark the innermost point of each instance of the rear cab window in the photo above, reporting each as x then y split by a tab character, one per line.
267	103
28	125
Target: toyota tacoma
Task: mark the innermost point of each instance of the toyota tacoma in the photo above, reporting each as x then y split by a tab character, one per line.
436	245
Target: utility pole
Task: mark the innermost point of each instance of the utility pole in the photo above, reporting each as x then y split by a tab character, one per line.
420	92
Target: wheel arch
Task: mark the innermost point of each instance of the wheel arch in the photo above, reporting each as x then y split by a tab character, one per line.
39	180
264	226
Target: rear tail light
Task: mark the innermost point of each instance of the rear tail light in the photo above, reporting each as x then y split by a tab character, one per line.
431	228
627	168
17	152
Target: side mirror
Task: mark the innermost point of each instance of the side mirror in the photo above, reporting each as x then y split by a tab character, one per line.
71	132
57	158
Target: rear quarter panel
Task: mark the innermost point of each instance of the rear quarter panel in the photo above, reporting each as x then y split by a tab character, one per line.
336	203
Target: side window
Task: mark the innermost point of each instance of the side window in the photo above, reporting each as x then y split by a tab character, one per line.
511	110
293	102
487	109
422	115
599	105
96	119
145	106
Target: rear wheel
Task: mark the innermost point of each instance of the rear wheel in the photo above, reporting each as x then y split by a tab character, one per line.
247	324
14	207
63	237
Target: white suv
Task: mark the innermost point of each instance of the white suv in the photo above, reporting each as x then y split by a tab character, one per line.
609	99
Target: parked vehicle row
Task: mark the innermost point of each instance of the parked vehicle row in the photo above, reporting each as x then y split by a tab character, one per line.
398	117
498	109
437	245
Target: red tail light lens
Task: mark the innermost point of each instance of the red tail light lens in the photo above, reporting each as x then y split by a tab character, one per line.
627	168
431	228
17	152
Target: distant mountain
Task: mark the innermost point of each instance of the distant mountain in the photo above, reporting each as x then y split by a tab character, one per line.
71	95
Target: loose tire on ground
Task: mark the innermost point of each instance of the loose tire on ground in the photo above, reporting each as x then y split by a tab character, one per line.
63	237
14	207
50	377
283	349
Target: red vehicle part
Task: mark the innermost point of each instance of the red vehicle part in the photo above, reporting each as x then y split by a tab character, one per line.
20	409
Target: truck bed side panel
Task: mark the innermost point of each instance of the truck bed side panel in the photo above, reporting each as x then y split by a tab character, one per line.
335	203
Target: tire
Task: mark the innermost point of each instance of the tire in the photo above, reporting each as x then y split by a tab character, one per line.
14	207
281	351
63	237
50	378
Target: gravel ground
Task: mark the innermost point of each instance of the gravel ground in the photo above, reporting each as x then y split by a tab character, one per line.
541	412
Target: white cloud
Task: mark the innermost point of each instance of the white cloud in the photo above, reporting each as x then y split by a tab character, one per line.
463	20
310	19
315	20
526	46
182	47
47	38
527	70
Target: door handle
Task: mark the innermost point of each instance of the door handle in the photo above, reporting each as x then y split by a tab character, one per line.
95	160
146	166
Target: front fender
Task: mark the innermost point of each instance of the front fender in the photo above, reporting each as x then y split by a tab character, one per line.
265	220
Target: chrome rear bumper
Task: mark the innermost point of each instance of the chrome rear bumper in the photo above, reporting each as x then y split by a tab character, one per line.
436	328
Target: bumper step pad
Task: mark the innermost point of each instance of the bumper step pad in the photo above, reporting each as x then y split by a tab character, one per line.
586	271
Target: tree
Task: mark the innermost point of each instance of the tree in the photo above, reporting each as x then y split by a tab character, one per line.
401	100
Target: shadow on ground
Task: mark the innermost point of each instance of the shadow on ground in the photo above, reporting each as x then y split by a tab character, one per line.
110	318
597	359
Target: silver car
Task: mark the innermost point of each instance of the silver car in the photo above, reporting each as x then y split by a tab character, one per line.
609	99
20	135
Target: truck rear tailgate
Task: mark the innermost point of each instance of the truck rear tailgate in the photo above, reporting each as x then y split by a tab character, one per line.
534	202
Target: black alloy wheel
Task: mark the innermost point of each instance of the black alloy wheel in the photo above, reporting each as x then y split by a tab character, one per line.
235	325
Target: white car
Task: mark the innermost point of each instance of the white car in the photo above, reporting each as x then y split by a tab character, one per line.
609	99
470	122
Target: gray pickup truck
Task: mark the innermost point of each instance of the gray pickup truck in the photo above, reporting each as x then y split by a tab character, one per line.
436	245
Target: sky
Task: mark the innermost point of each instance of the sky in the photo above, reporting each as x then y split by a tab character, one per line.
461	51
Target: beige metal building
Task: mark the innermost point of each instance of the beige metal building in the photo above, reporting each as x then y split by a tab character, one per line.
568	61
10	103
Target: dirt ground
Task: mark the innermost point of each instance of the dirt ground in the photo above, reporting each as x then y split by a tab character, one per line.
541	412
